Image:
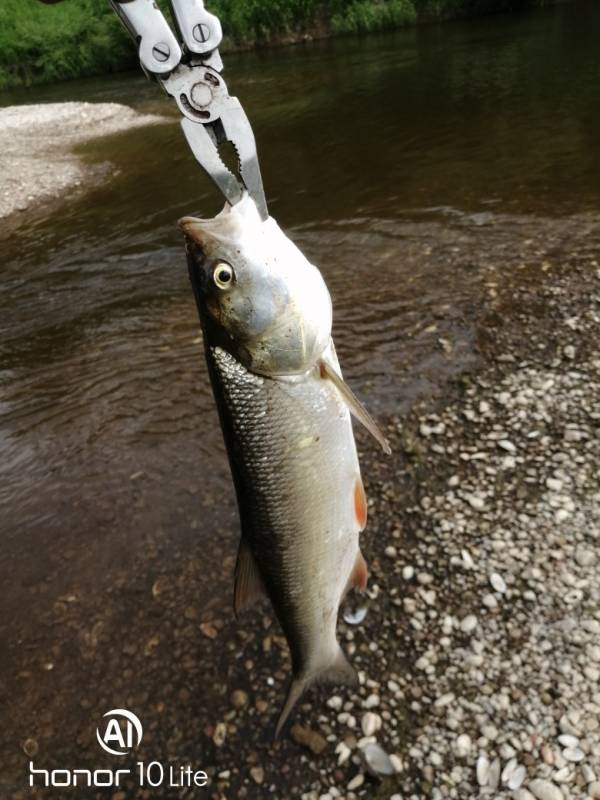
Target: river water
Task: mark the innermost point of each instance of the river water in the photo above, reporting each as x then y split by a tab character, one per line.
391	160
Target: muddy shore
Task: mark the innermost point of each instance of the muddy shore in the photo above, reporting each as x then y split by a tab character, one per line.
480	651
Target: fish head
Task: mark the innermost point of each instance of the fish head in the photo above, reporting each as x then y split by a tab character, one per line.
257	294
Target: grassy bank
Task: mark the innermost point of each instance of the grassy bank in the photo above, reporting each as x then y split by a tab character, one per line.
44	43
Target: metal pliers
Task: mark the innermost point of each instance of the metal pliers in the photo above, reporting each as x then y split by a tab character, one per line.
188	67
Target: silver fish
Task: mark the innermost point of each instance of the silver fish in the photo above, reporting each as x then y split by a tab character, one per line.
284	408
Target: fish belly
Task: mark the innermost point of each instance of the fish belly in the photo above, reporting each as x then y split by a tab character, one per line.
293	457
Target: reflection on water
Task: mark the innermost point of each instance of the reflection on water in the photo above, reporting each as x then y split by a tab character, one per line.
402	164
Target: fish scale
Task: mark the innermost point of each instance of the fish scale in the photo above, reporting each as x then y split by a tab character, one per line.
295	466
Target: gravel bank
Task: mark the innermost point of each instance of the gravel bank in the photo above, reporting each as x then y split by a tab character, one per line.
479	654
36	143
485	618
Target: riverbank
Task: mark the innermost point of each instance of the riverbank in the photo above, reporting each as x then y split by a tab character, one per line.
480	652
41	43
37	144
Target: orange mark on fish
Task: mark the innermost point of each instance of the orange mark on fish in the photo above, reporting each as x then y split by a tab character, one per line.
360	504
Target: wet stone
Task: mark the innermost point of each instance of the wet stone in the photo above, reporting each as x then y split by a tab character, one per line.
309	738
239	698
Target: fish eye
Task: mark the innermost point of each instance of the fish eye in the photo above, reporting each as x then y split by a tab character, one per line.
223	275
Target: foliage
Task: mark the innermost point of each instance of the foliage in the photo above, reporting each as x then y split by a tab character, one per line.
258	21
361	16
43	43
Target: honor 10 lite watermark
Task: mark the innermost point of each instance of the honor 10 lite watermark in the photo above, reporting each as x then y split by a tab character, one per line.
119	734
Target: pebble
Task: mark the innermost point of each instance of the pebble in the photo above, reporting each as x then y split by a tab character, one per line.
468	623
370	723
30	747
508	770
335	702
498	583
568	740
585	557
343	753
372	701
594	790
477	502
507	445
444	700
561	514
573	754
355	616
239	699
588	773
563	775
517	778
356	782
309	738
494	775
545	790
482	770
208	630
377	760
219	734
523	794
547	754
258	774
463	745
591	625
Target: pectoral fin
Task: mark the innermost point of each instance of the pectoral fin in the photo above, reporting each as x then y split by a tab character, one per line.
249	586
355	406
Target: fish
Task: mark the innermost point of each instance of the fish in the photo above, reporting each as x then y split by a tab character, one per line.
285	411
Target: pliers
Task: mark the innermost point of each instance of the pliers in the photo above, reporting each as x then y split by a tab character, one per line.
188	67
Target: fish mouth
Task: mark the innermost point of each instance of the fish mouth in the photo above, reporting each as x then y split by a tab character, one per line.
226	228
194	229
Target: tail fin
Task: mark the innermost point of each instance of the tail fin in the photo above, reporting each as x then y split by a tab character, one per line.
339	670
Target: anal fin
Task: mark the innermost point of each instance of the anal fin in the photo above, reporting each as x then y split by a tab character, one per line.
354	404
249	585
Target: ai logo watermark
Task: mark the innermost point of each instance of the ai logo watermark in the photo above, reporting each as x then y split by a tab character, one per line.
119	732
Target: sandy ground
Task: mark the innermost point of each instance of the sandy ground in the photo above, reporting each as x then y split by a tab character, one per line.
36	146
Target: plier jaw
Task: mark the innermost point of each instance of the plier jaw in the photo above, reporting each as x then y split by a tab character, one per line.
189	71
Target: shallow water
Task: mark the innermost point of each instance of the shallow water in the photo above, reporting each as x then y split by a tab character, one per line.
388	159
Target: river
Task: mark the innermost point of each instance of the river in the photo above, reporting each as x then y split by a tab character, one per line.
390	160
